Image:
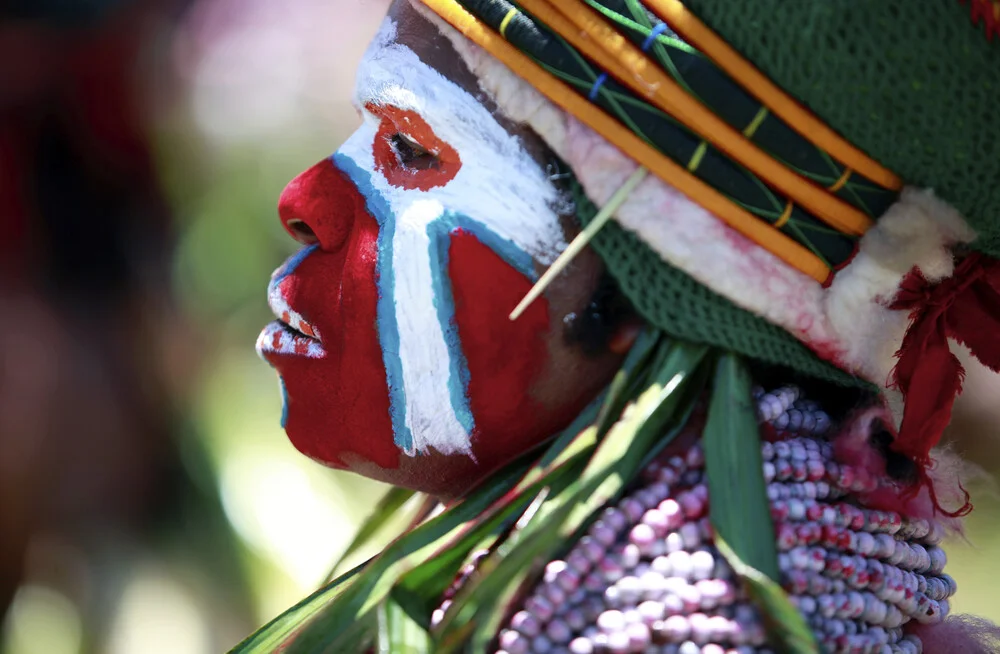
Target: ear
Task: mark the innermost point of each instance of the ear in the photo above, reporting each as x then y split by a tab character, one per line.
625	335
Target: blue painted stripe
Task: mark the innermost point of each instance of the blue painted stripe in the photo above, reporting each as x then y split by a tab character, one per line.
388	328
439	233
293	262
284	401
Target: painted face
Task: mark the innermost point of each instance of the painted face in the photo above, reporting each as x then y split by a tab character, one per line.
393	346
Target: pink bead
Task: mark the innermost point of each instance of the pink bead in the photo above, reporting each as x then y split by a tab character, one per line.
672	511
658	521
642	535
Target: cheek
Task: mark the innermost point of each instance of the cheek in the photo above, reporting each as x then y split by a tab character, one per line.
504	358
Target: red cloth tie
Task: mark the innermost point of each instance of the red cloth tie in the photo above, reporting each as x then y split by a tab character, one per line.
964	307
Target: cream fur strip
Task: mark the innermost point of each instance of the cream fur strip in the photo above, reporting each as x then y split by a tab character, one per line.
847	323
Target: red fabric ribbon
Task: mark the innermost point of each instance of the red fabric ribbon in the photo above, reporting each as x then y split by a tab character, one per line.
964	307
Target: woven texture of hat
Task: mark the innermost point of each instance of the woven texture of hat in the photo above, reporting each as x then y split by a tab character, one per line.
673	301
914	83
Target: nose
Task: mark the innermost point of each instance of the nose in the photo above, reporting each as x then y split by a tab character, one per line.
319	205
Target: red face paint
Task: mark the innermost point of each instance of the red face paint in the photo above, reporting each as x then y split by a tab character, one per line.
338	404
437	168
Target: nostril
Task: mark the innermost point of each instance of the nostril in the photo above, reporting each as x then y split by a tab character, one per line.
317	207
301	232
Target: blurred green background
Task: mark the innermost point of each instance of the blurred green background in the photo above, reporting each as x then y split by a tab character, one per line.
237	98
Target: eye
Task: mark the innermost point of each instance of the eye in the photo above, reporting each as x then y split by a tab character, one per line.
411	154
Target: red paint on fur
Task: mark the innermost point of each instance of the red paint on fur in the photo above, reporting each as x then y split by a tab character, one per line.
437	171
339	403
852	446
504	357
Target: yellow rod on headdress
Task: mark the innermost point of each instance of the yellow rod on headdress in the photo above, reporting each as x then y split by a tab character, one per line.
754	82
591	35
741	220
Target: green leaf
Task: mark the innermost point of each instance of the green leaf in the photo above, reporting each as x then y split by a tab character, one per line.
739	508
615	463
279	630
786	627
382	514
334	627
398	633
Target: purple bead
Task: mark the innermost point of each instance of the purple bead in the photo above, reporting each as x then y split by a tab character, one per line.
695	458
514	643
541	645
526	623
593	582
615	518
690	535
540	607
578	562
558	632
591	549
553	593
581	646
575	619
603	534
610	569
633	509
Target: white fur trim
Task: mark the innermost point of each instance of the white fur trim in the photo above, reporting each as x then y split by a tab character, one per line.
917	231
847	323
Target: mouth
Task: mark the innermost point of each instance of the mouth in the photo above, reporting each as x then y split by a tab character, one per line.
290	334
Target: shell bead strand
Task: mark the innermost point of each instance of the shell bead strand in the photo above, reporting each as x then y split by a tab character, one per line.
646	577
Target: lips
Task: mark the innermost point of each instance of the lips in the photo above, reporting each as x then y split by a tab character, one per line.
290	334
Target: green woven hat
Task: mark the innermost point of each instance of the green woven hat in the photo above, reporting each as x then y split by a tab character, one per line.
907	83
913	83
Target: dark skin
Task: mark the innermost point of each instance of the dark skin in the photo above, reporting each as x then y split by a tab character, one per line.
572	376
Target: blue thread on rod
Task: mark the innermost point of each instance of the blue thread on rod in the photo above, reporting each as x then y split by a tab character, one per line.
603	77
659	29
597	86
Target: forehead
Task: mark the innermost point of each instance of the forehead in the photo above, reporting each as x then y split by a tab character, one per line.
411	64
409	52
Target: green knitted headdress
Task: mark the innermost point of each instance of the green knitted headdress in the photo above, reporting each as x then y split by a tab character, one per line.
910	84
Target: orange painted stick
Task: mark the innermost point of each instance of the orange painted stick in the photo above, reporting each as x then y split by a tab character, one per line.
670	172
584	28
754	82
